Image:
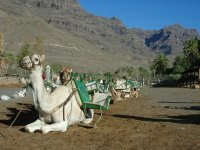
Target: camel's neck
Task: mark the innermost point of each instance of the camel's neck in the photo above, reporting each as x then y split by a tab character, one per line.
36	78
39	91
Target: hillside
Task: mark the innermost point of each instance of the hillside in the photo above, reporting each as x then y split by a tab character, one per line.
79	39
169	40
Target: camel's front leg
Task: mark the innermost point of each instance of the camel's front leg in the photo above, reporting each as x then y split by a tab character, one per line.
58	126
34	126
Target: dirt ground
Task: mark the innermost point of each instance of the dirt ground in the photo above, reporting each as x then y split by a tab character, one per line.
159	119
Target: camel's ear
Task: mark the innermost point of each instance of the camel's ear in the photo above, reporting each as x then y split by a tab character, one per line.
42	58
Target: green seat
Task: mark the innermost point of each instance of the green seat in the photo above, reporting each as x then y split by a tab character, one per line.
91	87
103	88
81	88
134	84
101	104
87	103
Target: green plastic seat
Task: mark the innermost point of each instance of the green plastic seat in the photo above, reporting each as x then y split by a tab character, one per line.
87	103
91	87
134	84
81	88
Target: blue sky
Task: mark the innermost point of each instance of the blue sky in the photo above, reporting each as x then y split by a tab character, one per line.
148	14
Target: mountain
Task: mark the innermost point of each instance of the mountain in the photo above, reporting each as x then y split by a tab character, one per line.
79	39
169	40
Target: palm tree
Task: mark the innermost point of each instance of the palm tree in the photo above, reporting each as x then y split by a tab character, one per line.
160	63
180	64
191	51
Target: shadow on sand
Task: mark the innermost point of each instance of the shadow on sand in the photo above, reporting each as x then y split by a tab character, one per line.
181	119
195	108
27	115
178	102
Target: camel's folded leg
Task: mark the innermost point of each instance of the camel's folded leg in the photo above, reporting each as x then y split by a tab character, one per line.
34	126
59	126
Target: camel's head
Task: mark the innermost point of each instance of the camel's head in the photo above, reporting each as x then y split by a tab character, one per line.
37	60
30	62
65	75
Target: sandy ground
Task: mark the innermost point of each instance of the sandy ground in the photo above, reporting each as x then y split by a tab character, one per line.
160	119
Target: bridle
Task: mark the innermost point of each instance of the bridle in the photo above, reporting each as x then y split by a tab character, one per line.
34	65
29	63
26	63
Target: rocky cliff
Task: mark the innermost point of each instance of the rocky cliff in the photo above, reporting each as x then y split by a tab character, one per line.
79	39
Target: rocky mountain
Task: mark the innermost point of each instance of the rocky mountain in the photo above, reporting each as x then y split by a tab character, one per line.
169	40
79	39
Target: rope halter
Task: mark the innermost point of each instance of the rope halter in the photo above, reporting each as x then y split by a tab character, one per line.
26	63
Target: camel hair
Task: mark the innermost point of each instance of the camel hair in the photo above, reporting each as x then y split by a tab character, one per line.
57	110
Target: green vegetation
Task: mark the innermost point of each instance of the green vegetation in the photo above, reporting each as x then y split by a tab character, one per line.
56	68
9	62
6	60
189	59
24	51
192	52
180	64
157	70
136	73
160	63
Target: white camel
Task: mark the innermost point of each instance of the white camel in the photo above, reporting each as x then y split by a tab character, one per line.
57	110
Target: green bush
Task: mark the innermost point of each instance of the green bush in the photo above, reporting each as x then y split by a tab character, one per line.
24	51
170	80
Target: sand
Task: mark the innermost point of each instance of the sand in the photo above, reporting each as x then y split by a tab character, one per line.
159	119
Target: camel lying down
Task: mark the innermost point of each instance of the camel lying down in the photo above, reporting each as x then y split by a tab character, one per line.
57	110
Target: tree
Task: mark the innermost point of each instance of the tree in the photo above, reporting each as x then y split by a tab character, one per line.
143	72
191	51
160	63
180	64
24	51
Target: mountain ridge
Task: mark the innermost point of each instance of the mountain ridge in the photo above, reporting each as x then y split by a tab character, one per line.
82	40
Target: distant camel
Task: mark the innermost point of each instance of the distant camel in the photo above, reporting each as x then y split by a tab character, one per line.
57	110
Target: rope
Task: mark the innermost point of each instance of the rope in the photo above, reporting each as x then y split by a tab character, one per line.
26	87
67	82
57	107
1	135
16	116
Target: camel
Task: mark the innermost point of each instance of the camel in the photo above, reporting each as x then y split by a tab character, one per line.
57	110
65	75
